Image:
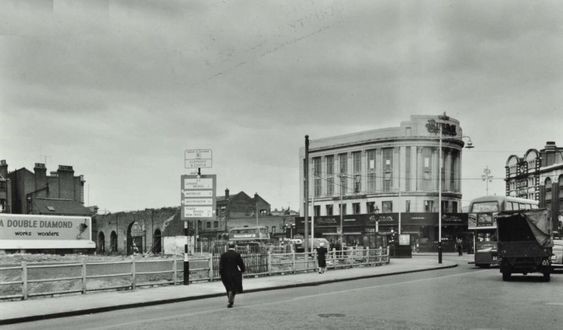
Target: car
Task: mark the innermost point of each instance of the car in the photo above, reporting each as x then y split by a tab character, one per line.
557	257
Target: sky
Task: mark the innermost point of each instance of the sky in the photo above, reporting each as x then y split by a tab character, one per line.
120	89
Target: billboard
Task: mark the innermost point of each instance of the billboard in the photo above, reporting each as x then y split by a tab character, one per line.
33	231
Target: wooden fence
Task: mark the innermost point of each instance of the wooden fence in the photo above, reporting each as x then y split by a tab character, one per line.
33	279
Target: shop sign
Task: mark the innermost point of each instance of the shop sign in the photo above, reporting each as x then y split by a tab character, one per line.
384	219
325	221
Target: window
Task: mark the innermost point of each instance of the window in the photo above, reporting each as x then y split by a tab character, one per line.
427	183
317	210
357	183
387	169
485	207
329	210
356	208
407	168
317	176
208	224
444	206
370	207
357	167
330	175
454	206
343	163
386	206
454	184
215	224
428	206
371	171
407	205
342	209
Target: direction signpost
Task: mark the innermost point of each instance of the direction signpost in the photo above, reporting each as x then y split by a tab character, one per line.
198	195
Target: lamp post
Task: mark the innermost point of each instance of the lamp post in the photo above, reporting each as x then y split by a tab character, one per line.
440	195
376	234
437	126
341	211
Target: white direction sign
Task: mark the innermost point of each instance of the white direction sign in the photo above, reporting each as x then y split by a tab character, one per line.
198	158
198	197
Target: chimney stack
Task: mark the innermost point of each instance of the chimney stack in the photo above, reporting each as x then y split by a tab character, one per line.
3	169
40	175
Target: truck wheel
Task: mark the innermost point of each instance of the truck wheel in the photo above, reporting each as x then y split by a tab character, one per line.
547	276
506	276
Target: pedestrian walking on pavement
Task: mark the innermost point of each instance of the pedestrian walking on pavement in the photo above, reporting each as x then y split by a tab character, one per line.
321	257
231	267
459	245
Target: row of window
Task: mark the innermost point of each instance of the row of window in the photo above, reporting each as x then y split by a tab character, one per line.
344	176
386	207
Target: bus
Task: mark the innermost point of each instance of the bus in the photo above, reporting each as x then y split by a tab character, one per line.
251	239
482	221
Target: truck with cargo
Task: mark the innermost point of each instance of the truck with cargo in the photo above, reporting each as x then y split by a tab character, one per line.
525	242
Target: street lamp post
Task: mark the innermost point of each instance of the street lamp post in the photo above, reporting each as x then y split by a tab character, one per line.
437	126
440	195
341	212
375	212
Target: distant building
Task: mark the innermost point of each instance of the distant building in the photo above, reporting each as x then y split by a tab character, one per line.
5	188
26	192
538	175
147	229
392	169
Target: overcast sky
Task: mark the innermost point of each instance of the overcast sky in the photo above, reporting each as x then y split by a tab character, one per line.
119	89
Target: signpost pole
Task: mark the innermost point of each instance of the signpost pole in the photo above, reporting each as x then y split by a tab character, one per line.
186	260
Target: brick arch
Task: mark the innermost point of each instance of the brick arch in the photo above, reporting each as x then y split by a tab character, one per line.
101	243
113	242
157	241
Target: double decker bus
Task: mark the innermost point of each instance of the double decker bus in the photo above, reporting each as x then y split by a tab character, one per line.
482	221
251	239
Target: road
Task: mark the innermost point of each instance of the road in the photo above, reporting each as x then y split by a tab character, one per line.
459	298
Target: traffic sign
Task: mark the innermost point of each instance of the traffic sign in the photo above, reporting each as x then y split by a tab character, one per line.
198	197
198	158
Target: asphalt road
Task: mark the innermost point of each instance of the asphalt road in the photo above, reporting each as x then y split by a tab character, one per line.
460	298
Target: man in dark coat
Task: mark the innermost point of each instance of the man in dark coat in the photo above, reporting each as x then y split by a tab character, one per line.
231	268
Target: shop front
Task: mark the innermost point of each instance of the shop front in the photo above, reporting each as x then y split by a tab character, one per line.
374	230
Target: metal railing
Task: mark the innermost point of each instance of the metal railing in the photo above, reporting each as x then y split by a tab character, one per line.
32	279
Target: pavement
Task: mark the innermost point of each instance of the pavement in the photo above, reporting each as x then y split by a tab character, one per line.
70	305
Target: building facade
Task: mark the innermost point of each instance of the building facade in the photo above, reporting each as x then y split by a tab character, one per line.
26	192
391	169
538	175
5	188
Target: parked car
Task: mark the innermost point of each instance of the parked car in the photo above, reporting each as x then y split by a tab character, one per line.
557	257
